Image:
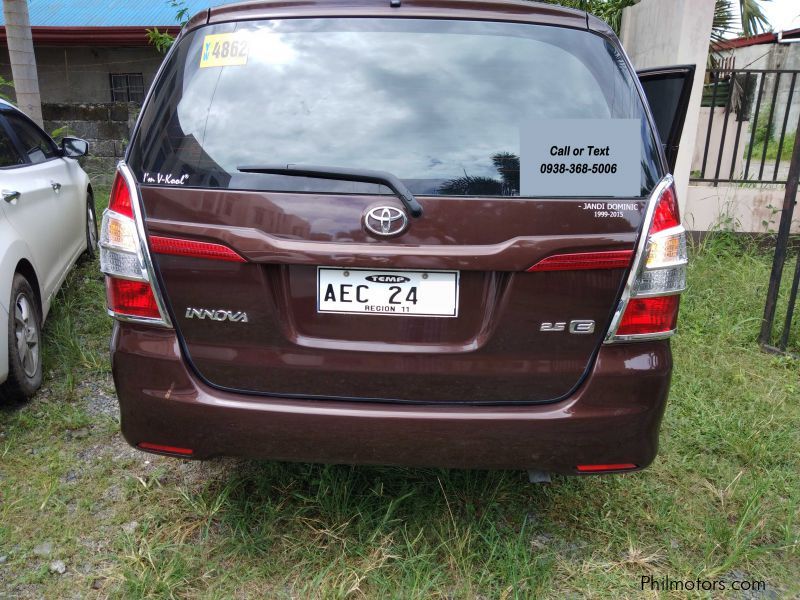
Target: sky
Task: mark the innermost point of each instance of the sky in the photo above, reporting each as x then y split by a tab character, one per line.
783	14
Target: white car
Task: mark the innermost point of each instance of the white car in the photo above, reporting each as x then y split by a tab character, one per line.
47	220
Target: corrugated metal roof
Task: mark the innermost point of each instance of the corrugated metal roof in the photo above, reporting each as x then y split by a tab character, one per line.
763	38
109	13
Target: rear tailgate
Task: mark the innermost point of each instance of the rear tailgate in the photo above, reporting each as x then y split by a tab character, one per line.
495	350
481	120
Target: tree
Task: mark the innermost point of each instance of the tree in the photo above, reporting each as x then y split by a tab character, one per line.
22	58
163	40
752	18
507	165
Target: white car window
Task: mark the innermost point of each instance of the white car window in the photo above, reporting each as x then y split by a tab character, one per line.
37	146
9	157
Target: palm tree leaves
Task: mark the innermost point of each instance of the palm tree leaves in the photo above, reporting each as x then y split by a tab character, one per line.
754	21
750	17
608	10
725	20
507	165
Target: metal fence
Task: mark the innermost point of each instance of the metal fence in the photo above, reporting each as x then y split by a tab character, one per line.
760	109
752	137
782	248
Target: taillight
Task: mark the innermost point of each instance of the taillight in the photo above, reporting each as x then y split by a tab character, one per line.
131	288
131	298
649	305
649	315
120	201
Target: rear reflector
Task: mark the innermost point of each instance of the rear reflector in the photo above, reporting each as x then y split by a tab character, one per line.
131	298
649	315
581	261
194	249
165	449
601	468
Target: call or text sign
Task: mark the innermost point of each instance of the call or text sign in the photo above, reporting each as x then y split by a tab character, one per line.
581	157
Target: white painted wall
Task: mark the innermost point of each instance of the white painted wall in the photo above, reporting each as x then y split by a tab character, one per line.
730	207
717	125
657	33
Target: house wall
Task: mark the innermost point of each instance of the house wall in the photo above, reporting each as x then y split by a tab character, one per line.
773	56
106	126
736	208
82	74
716	142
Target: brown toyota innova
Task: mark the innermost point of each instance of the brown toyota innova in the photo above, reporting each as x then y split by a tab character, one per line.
428	232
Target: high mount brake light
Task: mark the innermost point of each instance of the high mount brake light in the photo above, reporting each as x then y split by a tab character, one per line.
131	288
649	305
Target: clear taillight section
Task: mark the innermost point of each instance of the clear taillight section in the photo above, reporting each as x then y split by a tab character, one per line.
649	305
130	286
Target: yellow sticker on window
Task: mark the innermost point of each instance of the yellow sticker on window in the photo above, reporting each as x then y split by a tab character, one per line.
224	50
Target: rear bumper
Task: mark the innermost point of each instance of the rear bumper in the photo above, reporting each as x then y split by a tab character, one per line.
612	418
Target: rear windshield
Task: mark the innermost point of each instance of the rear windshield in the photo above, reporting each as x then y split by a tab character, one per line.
450	107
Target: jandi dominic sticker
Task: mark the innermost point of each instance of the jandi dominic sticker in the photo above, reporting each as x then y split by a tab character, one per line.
224	50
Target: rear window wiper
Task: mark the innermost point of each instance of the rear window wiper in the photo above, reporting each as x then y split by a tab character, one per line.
340	174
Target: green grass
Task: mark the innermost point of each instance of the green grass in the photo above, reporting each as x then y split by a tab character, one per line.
773	145
722	499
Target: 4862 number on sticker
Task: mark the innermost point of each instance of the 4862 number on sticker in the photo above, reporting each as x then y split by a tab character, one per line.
224	50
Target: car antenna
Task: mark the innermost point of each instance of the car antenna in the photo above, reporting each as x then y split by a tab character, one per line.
394	3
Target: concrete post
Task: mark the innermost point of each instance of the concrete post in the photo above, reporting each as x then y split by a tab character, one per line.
22	58
658	33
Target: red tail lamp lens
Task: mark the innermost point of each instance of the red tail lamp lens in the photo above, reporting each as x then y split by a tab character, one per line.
666	215
581	261
165	449
134	298
602	468
649	315
120	200
194	249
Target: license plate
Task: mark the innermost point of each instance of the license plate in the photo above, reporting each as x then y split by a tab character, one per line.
395	293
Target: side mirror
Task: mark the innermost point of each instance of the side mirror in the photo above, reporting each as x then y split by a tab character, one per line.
74	147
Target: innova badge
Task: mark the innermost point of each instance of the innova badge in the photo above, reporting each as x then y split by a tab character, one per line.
216	315
386	221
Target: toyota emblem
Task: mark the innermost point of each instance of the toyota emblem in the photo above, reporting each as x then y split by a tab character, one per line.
386	221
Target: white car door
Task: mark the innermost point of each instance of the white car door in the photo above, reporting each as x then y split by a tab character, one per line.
41	202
